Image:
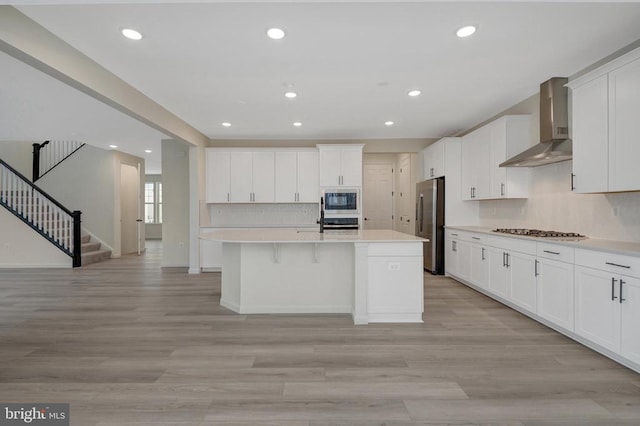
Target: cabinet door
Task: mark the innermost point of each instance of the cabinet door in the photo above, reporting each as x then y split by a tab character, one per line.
351	166
498	155
498	273
286	176
590	135
522	269
482	164
218	177
555	292
479	266
330	166
451	257
467	166
308	185
264	180
241	173
464	259
624	127
630	318
597	307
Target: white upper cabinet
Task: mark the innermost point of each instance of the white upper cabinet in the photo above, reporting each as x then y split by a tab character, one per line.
237	175
340	165
475	160
605	126
510	135
218	177
433	160
590	135
482	152
297	176
624	127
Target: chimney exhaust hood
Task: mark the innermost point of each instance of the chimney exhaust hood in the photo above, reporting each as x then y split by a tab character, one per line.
554	144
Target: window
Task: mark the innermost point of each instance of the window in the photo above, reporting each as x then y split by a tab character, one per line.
153	202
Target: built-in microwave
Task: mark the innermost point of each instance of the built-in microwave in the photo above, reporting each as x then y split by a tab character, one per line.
343	201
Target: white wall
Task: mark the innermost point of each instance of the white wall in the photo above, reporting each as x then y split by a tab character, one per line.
22	247
176	238
18	154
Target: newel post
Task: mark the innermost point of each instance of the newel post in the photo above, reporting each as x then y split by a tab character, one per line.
77	239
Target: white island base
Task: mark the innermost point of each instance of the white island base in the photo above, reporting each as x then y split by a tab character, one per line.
376	276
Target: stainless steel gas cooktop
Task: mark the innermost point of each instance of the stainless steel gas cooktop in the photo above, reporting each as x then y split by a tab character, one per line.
538	233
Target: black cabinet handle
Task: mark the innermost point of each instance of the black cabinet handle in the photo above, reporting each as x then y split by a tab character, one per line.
535	268
619	266
482	253
613	288
622	299
551	252
573	188
476	238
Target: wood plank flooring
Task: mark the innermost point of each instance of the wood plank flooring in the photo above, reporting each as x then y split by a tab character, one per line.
127	343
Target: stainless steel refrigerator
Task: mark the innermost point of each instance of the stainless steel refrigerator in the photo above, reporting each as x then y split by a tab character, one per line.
430	222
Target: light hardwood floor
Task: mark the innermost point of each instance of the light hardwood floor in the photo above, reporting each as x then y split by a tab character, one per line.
126	343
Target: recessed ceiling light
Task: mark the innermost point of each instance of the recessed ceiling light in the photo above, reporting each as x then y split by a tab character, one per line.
389	123
275	33
131	34
113	146
148	151
226	124
297	123
414	93
466	31
291	95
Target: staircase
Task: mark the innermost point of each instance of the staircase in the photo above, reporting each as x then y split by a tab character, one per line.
92	251
48	217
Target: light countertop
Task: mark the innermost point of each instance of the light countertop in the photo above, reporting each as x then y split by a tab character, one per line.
628	248
267	235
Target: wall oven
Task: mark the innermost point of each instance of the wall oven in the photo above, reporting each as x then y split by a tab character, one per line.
341	201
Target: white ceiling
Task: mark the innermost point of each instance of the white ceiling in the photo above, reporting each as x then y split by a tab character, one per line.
352	63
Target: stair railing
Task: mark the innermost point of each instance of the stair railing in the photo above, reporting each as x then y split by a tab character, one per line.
41	212
48	154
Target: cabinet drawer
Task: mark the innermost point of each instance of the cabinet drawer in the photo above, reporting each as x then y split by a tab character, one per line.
455	234
555	252
616	263
513	244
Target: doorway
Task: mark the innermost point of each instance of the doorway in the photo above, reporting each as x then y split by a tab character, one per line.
378	196
129	209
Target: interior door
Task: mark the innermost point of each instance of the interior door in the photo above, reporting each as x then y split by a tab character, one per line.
129	208
378	196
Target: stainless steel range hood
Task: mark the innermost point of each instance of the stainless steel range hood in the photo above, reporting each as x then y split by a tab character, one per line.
554	144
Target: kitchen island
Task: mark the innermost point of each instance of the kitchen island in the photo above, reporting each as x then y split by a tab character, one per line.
374	275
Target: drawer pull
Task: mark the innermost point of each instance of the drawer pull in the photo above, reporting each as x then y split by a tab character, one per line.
619	266
613	289
454	235
535	268
551	252
476	238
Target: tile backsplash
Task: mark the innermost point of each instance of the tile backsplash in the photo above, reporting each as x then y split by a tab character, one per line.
258	215
552	205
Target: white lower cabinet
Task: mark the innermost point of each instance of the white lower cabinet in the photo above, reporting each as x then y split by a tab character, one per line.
480	265
608	310
499	273
463	249
555	292
597	307
523	280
